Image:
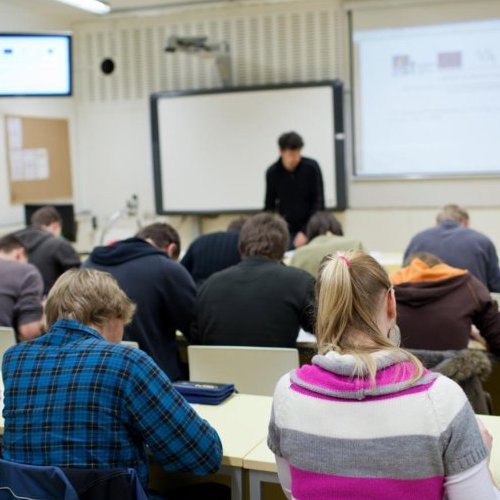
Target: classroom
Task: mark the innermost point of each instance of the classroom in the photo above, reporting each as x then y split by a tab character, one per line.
172	115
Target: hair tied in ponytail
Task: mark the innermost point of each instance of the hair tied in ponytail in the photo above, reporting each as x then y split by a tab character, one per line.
345	259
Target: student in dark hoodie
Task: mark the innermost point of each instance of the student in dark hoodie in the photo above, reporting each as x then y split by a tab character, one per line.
47	250
437	305
162	289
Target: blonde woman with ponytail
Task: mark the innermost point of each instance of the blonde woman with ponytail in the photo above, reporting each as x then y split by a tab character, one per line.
365	420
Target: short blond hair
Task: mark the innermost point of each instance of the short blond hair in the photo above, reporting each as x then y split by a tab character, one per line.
88	296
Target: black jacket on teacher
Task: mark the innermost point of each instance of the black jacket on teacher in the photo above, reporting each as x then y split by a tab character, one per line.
295	195
163	291
259	302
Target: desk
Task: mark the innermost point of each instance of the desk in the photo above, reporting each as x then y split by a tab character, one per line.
241	422
261	468
261	464
390	261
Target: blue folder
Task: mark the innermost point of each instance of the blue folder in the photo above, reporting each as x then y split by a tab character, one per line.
206	393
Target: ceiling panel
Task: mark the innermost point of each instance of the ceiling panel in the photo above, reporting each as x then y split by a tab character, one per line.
141	4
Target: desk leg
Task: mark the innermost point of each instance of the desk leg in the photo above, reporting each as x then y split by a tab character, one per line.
256	478
236	480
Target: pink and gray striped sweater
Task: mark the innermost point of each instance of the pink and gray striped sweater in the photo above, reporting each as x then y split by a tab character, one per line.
347	439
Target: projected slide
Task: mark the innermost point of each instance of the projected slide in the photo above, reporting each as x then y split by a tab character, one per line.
427	99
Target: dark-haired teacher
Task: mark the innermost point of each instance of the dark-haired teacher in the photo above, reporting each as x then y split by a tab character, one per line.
294	187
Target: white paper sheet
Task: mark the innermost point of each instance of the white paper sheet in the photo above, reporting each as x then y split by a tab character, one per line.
29	164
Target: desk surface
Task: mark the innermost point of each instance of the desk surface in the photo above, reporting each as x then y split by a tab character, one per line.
241	422
261	458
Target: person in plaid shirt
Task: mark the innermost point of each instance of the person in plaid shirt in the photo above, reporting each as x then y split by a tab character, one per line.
75	397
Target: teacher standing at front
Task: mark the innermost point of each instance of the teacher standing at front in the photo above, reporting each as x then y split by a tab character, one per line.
294	187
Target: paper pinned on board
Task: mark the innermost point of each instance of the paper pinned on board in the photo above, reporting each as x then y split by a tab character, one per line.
29	164
15	132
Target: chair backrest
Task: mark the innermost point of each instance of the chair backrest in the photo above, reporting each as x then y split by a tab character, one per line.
33	482
7	339
253	370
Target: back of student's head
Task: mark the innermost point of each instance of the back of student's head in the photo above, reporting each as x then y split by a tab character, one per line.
352	288
428	258
88	296
161	235
323	223
45	216
290	140
236	224
9	243
264	235
453	213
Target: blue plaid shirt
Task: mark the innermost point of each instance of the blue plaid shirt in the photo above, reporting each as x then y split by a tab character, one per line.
73	399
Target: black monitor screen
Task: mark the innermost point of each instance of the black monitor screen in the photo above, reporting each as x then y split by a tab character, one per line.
67	214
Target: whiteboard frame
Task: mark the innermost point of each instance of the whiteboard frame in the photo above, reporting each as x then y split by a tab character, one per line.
338	140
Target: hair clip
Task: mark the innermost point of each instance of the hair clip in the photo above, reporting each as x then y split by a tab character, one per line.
345	259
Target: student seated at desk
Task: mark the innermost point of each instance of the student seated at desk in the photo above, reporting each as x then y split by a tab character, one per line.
47	249
77	398
366	420
213	252
162	289
259	302
324	235
438	304
21	288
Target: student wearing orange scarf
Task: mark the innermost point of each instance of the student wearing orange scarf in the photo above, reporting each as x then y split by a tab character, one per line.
437	305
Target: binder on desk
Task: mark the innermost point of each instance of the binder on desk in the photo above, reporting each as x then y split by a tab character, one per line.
204	392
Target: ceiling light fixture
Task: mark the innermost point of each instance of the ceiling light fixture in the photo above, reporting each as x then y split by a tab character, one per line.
94	6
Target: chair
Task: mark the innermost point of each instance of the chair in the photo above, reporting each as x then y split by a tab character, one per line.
253	370
7	339
35	482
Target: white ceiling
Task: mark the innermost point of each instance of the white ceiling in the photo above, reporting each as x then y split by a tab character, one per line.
56	10
137	4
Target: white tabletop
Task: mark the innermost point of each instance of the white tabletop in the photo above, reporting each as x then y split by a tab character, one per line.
261	458
241	421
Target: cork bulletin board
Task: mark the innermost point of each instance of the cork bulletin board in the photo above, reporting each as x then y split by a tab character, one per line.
38	159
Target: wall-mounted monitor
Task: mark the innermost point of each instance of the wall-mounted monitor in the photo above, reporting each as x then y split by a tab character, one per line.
35	64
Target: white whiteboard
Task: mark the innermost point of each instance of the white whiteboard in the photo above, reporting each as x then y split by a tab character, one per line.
212	149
